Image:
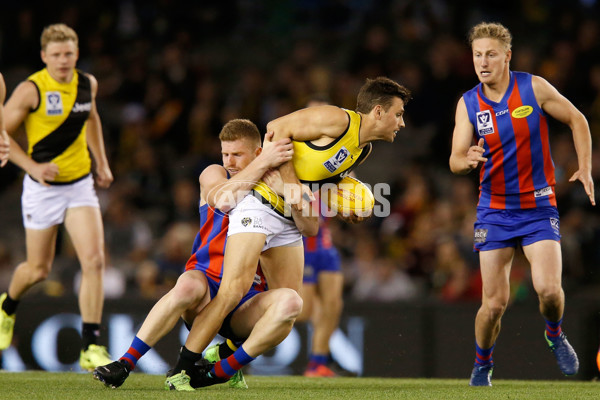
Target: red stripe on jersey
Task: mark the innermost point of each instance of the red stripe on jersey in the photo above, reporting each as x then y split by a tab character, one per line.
216	249
204	233
523	144
495	145
311	243
191	264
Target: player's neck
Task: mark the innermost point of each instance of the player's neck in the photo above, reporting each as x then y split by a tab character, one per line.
495	90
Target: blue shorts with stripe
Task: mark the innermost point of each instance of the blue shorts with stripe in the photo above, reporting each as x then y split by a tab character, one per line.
498	229
322	260
226	331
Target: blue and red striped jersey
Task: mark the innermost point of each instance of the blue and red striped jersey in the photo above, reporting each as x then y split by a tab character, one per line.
323	239
208	251
519	172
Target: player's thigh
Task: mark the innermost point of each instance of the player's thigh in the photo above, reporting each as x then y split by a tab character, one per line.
248	314
241	261
84	225
283	266
41	245
546	264
495	268
330	286
308	293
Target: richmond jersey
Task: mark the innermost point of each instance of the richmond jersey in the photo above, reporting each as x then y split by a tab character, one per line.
519	172
56	128
322	164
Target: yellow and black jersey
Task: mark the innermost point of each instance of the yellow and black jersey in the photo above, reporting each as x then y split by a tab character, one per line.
330	163
56	128
322	164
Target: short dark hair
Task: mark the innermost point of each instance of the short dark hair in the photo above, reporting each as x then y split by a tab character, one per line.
237	129
380	91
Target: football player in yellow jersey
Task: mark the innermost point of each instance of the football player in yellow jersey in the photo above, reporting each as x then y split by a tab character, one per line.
328	143
58	109
4	140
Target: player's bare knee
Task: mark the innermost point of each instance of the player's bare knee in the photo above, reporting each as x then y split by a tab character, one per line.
93	263
38	271
495	309
550	295
187	292
289	304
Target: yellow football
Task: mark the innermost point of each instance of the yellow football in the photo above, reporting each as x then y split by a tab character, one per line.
351	200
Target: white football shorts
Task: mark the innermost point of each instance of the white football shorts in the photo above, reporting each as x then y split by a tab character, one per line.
251	215
46	206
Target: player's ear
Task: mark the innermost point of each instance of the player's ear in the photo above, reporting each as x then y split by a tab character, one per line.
377	111
508	56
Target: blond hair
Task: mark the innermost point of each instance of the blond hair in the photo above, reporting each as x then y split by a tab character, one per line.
58	33
237	129
491	30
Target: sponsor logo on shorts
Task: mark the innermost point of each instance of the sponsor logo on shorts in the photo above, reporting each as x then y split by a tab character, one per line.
337	160
257	280
522	112
480	235
54	105
258	223
246	221
547	191
555	223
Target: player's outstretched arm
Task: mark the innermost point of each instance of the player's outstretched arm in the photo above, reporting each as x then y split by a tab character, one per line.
561	109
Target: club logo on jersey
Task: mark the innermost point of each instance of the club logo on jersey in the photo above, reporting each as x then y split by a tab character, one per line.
246	221
547	191
337	160
480	235
522	112
54	105
485	124
555	224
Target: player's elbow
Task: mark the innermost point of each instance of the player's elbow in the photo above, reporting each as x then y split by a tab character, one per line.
310	229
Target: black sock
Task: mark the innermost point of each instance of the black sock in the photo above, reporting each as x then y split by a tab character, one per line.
10	305
225	349
89	334
186	361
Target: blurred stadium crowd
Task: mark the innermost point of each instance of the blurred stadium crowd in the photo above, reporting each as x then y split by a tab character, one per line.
172	73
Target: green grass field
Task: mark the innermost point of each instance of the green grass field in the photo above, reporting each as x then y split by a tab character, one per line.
68	386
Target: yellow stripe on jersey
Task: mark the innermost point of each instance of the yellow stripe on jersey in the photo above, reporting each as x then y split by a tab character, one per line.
56	129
